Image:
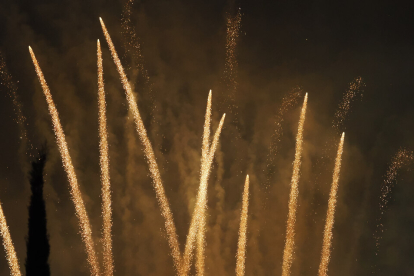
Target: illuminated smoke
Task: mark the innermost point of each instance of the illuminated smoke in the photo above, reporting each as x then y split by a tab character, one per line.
241	250
202	223
356	87
76	196
149	153
330	215
293	198
8	246
201	202
108	263
402	158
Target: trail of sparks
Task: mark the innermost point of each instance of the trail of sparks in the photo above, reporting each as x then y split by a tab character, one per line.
293	198
108	262
149	153
288	102
8	246
7	81
241	250
330	215
201	202
233	32
355	87
202	223
86	231
402	158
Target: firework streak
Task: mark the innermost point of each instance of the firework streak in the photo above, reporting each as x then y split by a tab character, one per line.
86	231
241	250
8	246
202	222
149	153
201	202
293	198
108	262
330	216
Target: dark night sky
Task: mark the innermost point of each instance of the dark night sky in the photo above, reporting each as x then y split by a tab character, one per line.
320	46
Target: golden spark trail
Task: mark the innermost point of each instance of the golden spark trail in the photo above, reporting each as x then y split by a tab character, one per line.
293	198
8	246
200	202
86	231
241	250
108	262
202	223
402	158
149	153
330	215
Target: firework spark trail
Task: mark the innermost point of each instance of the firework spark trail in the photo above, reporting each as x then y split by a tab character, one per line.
108	262
288	102
7	81
202	223
201	202
241	250
8	246
402	158
149	153
330	215
355	87
293	198
86	231
230	70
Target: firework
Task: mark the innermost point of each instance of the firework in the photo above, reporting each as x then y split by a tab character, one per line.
356	87
330	215
402	158
201	202
202	222
86	231
108	263
8	246
149	153
293	198
241	250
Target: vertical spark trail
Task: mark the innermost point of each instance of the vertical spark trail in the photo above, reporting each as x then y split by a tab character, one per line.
108	262
293	198
241	250
8	246
7	81
402	158
230	70
330	215
149	153
202	223
86	231
355	87
201	202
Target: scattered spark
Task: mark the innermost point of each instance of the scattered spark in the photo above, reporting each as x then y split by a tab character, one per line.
108	262
8	246
86	231
330	215
293	198
201	202
356	87
241	250
149	153
202	222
